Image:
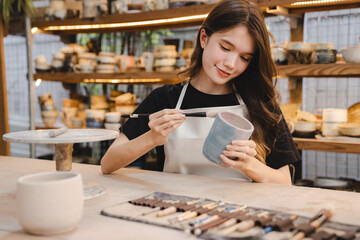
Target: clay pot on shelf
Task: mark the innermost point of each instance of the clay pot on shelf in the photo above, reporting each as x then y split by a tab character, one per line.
48	109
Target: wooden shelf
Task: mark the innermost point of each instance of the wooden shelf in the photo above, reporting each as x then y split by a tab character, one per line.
320	70
111	78
303	70
98	24
327	145
172	13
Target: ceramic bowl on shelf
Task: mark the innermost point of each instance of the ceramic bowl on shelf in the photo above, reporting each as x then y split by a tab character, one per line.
112	117
112	126
334	115
305	126
333	183
323	46
354	113
351	54
125	109
325	55
304	129
300	56
330	129
278	55
350	129
299	46
107	54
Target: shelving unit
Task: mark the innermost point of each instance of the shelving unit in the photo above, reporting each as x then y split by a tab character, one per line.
320	70
115	78
327	145
296	70
192	16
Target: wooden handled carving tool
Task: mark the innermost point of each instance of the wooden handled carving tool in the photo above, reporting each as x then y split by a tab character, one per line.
210	114
57	132
271	228
241	227
326	215
151	211
167	211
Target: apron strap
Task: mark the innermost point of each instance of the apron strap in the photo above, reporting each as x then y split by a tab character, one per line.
181	97
241	102
183	91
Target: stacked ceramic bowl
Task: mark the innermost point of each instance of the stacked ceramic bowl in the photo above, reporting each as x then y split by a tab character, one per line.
58	61
125	103
70	110
57	9
324	52
300	53
351	54
106	62
112	120
48	109
94	118
99	102
165	58
86	62
41	64
332	119
278	54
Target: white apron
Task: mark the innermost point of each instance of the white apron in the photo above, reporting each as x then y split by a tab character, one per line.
183	150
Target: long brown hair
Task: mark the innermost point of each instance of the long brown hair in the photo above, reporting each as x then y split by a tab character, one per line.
255	84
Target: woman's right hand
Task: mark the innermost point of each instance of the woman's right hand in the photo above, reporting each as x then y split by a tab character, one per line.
162	123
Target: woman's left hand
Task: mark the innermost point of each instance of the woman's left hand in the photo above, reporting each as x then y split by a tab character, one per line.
239	154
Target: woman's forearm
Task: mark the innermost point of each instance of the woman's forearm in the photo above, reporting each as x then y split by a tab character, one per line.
123	152
259	172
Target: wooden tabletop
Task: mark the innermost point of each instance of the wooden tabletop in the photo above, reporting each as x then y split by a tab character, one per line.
127	184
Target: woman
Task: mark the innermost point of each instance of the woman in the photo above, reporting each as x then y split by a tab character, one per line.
231	69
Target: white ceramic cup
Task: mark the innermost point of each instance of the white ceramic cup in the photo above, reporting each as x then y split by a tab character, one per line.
334	115
330	129
49	203
227	127
148	61
112	117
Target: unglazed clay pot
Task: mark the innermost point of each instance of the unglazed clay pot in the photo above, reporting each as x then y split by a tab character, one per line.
50	202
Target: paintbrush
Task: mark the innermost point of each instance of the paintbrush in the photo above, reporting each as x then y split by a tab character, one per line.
211	114
326	215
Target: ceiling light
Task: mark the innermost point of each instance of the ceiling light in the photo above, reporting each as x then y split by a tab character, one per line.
149	80
315	2
127	24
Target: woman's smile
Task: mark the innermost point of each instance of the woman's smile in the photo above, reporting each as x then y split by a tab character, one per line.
222	73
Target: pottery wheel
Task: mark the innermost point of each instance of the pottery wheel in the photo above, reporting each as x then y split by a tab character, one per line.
93	191
63	143
71	136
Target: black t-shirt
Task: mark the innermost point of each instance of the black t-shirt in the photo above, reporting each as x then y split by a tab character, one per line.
283	153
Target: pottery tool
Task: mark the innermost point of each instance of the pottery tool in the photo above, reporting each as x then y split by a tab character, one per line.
209	225
326	215
187	216
240	227
167	211
211	114
243	225
271	228
208	220
236	209
198	219
228	223
151	211
203	226
57	132
194	201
